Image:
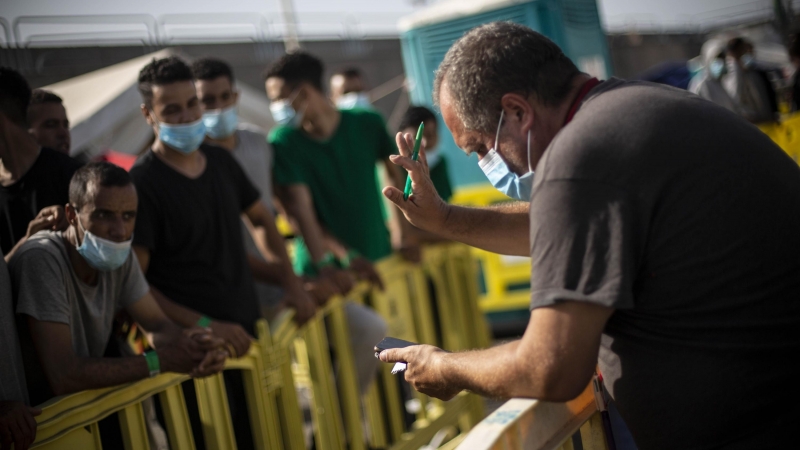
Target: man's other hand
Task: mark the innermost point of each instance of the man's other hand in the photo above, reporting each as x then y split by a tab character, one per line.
49	218
213	362
237	338
321	290
17	425
342	279
424	208
366	271
303	305
423	370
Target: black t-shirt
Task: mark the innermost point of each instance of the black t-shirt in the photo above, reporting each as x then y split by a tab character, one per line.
684	219
45	184
192	228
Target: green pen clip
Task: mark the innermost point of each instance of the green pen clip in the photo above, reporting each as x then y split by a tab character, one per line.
414	156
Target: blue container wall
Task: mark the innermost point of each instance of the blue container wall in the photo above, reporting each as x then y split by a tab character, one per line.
572	24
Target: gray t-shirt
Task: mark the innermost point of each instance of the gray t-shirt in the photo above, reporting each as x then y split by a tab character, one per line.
255	155
48	289
684	218
12	374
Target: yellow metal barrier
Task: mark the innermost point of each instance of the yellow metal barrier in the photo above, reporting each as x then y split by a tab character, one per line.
71	421
535	425
291	357
786	134
505	280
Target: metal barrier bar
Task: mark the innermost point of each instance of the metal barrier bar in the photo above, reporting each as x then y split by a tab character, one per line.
535	425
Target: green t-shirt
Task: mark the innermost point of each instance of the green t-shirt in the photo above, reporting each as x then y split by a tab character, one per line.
340	173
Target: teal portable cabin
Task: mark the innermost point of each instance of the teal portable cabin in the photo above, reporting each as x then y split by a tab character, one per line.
427	35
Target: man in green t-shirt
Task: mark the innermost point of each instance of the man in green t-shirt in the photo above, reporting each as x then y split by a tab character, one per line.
324	175
325	169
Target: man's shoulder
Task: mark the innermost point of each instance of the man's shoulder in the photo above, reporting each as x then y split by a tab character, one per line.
249	129
41	247
282	134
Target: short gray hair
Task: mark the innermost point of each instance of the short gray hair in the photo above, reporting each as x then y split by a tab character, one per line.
498	58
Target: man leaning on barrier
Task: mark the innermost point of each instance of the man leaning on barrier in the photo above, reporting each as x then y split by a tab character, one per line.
663	236
69	285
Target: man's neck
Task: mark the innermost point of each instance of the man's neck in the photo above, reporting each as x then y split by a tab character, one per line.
83	270
553	119
21	153
324	124
191	165
228	143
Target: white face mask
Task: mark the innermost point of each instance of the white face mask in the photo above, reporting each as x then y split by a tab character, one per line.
503	179
284	114
102	254
354	100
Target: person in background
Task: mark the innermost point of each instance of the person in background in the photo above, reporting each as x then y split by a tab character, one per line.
69	286
188	238
708	84
48	121
437	164
794	57
248	144
747	86
17	423
349	90
325	176
34	180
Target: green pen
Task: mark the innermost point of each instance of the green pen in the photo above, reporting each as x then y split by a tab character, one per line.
414	156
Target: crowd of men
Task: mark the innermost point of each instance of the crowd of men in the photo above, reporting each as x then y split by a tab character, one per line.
186	245
662	231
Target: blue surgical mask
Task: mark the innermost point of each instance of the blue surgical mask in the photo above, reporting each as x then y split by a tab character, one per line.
284	114
221	123
504	180
354	100
102	254
717	68
185	138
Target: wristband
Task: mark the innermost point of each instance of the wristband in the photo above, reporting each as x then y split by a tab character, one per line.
152	363
349	257
204	322
328	260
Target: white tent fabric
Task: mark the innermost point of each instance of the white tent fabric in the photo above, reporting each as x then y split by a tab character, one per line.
104	108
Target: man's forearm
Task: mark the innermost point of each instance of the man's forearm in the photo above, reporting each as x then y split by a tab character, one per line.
477	371
500	229
96	373
268	272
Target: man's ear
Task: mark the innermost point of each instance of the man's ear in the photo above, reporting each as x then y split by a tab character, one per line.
518	109
146	113
71	214
235	96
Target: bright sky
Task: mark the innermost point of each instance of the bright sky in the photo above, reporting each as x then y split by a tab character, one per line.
332	18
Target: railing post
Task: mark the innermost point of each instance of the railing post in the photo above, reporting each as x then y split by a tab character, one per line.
134	428
212	402
176	416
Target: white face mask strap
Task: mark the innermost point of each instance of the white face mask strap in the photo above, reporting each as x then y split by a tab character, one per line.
529	151
499	124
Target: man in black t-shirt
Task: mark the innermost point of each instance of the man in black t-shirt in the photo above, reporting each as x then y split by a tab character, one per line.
662	231
34	181
188	231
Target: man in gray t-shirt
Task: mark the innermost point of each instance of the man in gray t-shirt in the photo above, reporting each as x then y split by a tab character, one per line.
69	286
663	239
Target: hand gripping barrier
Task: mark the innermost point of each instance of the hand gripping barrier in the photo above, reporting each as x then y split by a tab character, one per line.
435	303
